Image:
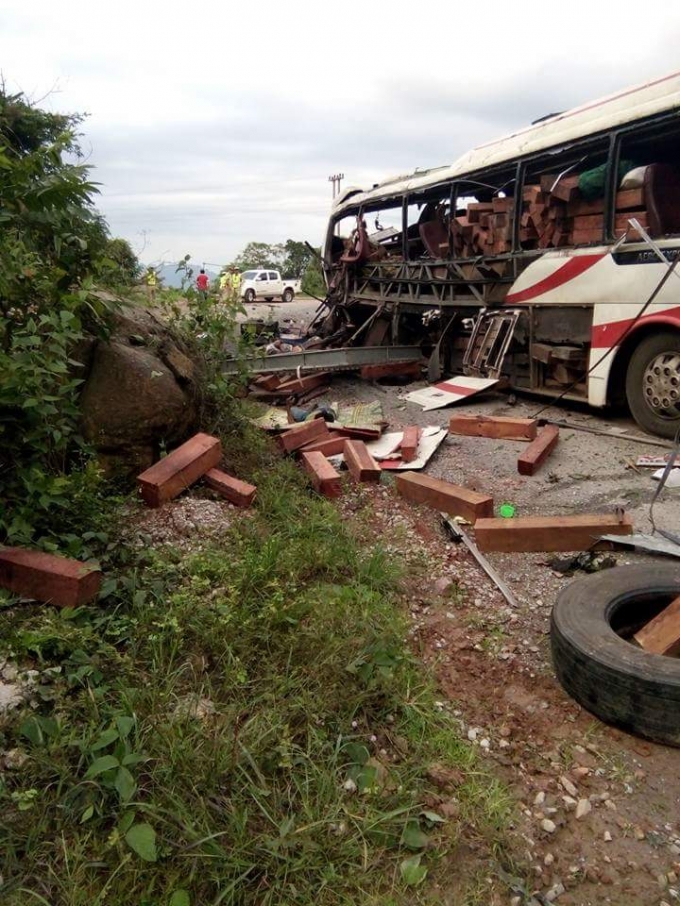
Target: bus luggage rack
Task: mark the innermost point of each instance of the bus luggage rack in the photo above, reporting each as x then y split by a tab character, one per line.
489	343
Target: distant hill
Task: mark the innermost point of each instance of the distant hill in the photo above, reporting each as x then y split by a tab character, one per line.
167	273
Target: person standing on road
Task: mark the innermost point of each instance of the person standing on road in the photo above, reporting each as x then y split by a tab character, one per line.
235	279
151	280
225	281
202	285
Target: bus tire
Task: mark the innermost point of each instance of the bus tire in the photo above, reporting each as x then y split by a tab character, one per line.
249	295
653	383
609	676
287	295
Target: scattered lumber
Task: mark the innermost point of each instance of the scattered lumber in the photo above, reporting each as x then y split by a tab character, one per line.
267	381
332	446
238	492
533	456
325	480
49	578
662	634
499	427
179	469
304	384
391	369
548	533
443	496
409	443
294	438
361	465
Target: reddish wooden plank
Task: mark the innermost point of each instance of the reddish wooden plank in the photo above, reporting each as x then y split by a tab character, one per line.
306	432
268	381
179	469
238	492
303	384
361	465
566	189
331	447
409	443
441	495
548	533
662	634
47	577
391	369
325	480
533	456
499	427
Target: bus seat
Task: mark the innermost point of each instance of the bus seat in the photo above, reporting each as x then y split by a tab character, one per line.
662	199
434	234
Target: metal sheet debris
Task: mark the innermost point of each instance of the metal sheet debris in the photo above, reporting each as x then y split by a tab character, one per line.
446	393
342	359
673	480
429	441
650	544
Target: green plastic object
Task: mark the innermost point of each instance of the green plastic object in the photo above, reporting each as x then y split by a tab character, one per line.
506	510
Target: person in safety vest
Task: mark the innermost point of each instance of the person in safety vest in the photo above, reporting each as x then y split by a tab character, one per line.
224	285
235	278
151	280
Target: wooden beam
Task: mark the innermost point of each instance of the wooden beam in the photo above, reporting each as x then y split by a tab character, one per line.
409	443
304	433
499	427
303	384
443	496
48	578
391	369
179	470
533	456
334	445
361	465
325	480
238	492
662	634
548	533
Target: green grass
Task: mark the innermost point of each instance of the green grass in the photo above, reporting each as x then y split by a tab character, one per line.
293	633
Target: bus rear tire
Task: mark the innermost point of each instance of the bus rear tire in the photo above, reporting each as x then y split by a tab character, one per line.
653	383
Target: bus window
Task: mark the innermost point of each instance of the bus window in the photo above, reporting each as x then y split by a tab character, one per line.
649	183
560	196
482	225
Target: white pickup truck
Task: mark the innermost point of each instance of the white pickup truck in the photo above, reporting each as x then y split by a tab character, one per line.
267	285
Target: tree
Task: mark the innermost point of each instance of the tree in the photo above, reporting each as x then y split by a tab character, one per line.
120	265
260	255
51	244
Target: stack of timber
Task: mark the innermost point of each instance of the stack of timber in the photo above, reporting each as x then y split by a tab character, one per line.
553	215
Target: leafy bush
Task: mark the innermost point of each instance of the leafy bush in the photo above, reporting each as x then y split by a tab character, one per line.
52	240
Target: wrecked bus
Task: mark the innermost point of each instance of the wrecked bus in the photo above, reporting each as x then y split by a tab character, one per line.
545	258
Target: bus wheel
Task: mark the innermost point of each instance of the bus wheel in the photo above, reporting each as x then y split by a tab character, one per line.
653	384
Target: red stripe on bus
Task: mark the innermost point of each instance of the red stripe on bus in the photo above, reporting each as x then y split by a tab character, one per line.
570	269
603	336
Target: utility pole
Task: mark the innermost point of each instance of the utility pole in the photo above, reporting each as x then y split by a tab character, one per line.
336	180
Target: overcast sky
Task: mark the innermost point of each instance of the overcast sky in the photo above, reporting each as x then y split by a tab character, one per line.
213	124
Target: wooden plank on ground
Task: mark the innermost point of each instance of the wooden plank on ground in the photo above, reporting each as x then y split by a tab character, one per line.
499	427
179	469
268	381
444	496
332	446
47	577
532	457
238	492
662	634
409	443
391	369
303	384
523	534
325	480
361	465
294	438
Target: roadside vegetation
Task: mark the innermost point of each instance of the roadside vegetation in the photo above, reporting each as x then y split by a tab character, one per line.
241	724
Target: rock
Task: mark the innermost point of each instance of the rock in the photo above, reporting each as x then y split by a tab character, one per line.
583	808
568	786
442	585
607	837
548	826
555	891
539	798
569	803
132	403
549	859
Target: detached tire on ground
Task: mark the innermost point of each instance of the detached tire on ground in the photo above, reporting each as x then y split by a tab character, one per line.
596	664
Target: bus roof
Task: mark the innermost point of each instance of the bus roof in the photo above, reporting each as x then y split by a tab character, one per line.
626	106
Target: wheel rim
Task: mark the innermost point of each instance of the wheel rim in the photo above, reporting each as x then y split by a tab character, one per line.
661	385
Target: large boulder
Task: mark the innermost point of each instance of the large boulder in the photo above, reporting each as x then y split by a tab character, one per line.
139	394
